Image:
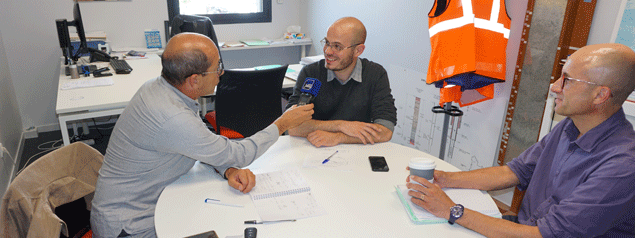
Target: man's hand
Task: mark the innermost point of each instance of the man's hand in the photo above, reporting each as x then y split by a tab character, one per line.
366	132
241	179
324	138
293	117
442	178
430	197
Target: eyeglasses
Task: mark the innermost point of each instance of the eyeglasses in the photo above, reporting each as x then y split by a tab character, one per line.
335	46
218	71
565	79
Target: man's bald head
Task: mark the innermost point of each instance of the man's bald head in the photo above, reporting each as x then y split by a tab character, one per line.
353	26
611	65
187	54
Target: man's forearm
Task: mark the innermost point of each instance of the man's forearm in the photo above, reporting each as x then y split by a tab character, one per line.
487	179
495	227
384	135
309	126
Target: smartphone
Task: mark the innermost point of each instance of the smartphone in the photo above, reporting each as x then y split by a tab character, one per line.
378	163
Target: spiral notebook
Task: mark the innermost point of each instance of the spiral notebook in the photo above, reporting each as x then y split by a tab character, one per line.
284	195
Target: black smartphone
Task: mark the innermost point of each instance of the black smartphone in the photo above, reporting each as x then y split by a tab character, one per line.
378	163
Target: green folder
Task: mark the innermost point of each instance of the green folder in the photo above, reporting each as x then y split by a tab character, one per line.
470	198
418	220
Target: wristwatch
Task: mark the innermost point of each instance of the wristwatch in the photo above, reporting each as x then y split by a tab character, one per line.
456	212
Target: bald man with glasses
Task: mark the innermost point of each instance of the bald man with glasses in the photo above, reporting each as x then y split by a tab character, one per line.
354	104
159	137
579	178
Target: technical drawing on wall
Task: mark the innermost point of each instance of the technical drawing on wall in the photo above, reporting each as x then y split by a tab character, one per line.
473	138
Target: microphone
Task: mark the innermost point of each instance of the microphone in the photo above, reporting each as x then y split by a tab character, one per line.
309	91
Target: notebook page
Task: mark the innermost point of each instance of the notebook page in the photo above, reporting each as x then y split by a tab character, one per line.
283	195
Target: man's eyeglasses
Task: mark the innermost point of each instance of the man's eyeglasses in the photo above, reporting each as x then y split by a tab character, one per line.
335	46
218	71
566	79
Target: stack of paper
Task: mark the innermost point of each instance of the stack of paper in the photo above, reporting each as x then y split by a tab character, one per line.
254	42
311	59
233	44
470	198
87	83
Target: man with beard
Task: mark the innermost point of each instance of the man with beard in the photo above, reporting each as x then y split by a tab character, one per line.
354	104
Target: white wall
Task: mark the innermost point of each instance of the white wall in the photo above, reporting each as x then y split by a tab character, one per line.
604	20
396	33
10	125
32	48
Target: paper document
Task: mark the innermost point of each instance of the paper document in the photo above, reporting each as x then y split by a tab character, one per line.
283	195
311	59
233	44
254	42
339	161
87	83
470	198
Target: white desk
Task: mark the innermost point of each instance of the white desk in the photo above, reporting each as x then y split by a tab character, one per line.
360	203
84	103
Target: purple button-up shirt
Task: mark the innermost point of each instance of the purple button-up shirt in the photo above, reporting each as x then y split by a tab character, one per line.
580	187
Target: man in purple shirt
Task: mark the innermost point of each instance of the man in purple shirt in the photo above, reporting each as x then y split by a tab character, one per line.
579	177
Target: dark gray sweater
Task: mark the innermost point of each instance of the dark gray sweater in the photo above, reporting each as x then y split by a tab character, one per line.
369	101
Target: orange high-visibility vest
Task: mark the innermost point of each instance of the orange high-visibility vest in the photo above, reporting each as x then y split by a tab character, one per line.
468	39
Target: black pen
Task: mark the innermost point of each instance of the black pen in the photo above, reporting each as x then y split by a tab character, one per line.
263	222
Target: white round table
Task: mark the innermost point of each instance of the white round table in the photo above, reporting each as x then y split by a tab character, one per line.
358	203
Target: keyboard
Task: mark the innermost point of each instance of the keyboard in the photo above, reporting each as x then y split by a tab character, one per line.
120	66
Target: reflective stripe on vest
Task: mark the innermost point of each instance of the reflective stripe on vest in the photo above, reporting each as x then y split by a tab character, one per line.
468	17
468	49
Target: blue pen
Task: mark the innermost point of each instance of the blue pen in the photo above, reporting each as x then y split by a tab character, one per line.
329	158
216	201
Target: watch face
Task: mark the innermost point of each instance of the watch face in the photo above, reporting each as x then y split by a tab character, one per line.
456	211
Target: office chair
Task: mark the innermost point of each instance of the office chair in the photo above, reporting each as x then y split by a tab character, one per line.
61	177
247	101
194	23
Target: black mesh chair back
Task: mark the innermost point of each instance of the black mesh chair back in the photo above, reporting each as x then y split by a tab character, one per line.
247	101
194	23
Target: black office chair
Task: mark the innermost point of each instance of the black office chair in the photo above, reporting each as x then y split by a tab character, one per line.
247	101
194	23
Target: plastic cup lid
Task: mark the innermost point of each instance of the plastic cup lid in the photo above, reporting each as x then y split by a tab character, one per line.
422	163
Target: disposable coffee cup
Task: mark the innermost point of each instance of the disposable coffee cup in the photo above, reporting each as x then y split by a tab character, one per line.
422	167
73	71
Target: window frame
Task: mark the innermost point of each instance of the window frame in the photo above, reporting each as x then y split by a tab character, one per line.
234	18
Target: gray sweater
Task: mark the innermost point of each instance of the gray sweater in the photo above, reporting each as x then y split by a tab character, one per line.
369	101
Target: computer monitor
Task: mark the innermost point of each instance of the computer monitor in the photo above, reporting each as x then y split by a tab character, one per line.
193	23
79	25
65	41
